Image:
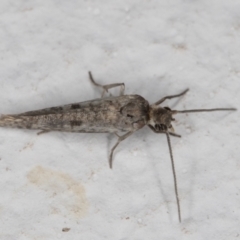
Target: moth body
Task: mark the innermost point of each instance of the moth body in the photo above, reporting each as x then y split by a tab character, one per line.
125	113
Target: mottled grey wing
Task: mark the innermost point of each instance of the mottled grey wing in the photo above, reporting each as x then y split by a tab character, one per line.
123	113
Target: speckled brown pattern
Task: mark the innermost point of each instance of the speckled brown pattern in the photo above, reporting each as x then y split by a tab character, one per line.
112	114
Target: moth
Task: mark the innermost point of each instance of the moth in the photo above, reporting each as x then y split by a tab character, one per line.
124	114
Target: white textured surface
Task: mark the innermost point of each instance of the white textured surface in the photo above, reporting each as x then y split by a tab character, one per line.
157	48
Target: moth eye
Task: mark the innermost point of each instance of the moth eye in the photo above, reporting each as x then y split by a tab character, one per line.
173	119
163	127
160	127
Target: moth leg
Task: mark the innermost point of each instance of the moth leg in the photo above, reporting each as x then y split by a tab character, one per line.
120	139
43	131
108	86
170	97
170	133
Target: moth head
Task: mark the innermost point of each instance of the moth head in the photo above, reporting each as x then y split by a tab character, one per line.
161	118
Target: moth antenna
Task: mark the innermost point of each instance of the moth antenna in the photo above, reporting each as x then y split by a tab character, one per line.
203	110
174	176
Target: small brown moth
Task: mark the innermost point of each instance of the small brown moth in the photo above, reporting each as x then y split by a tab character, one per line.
125	113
